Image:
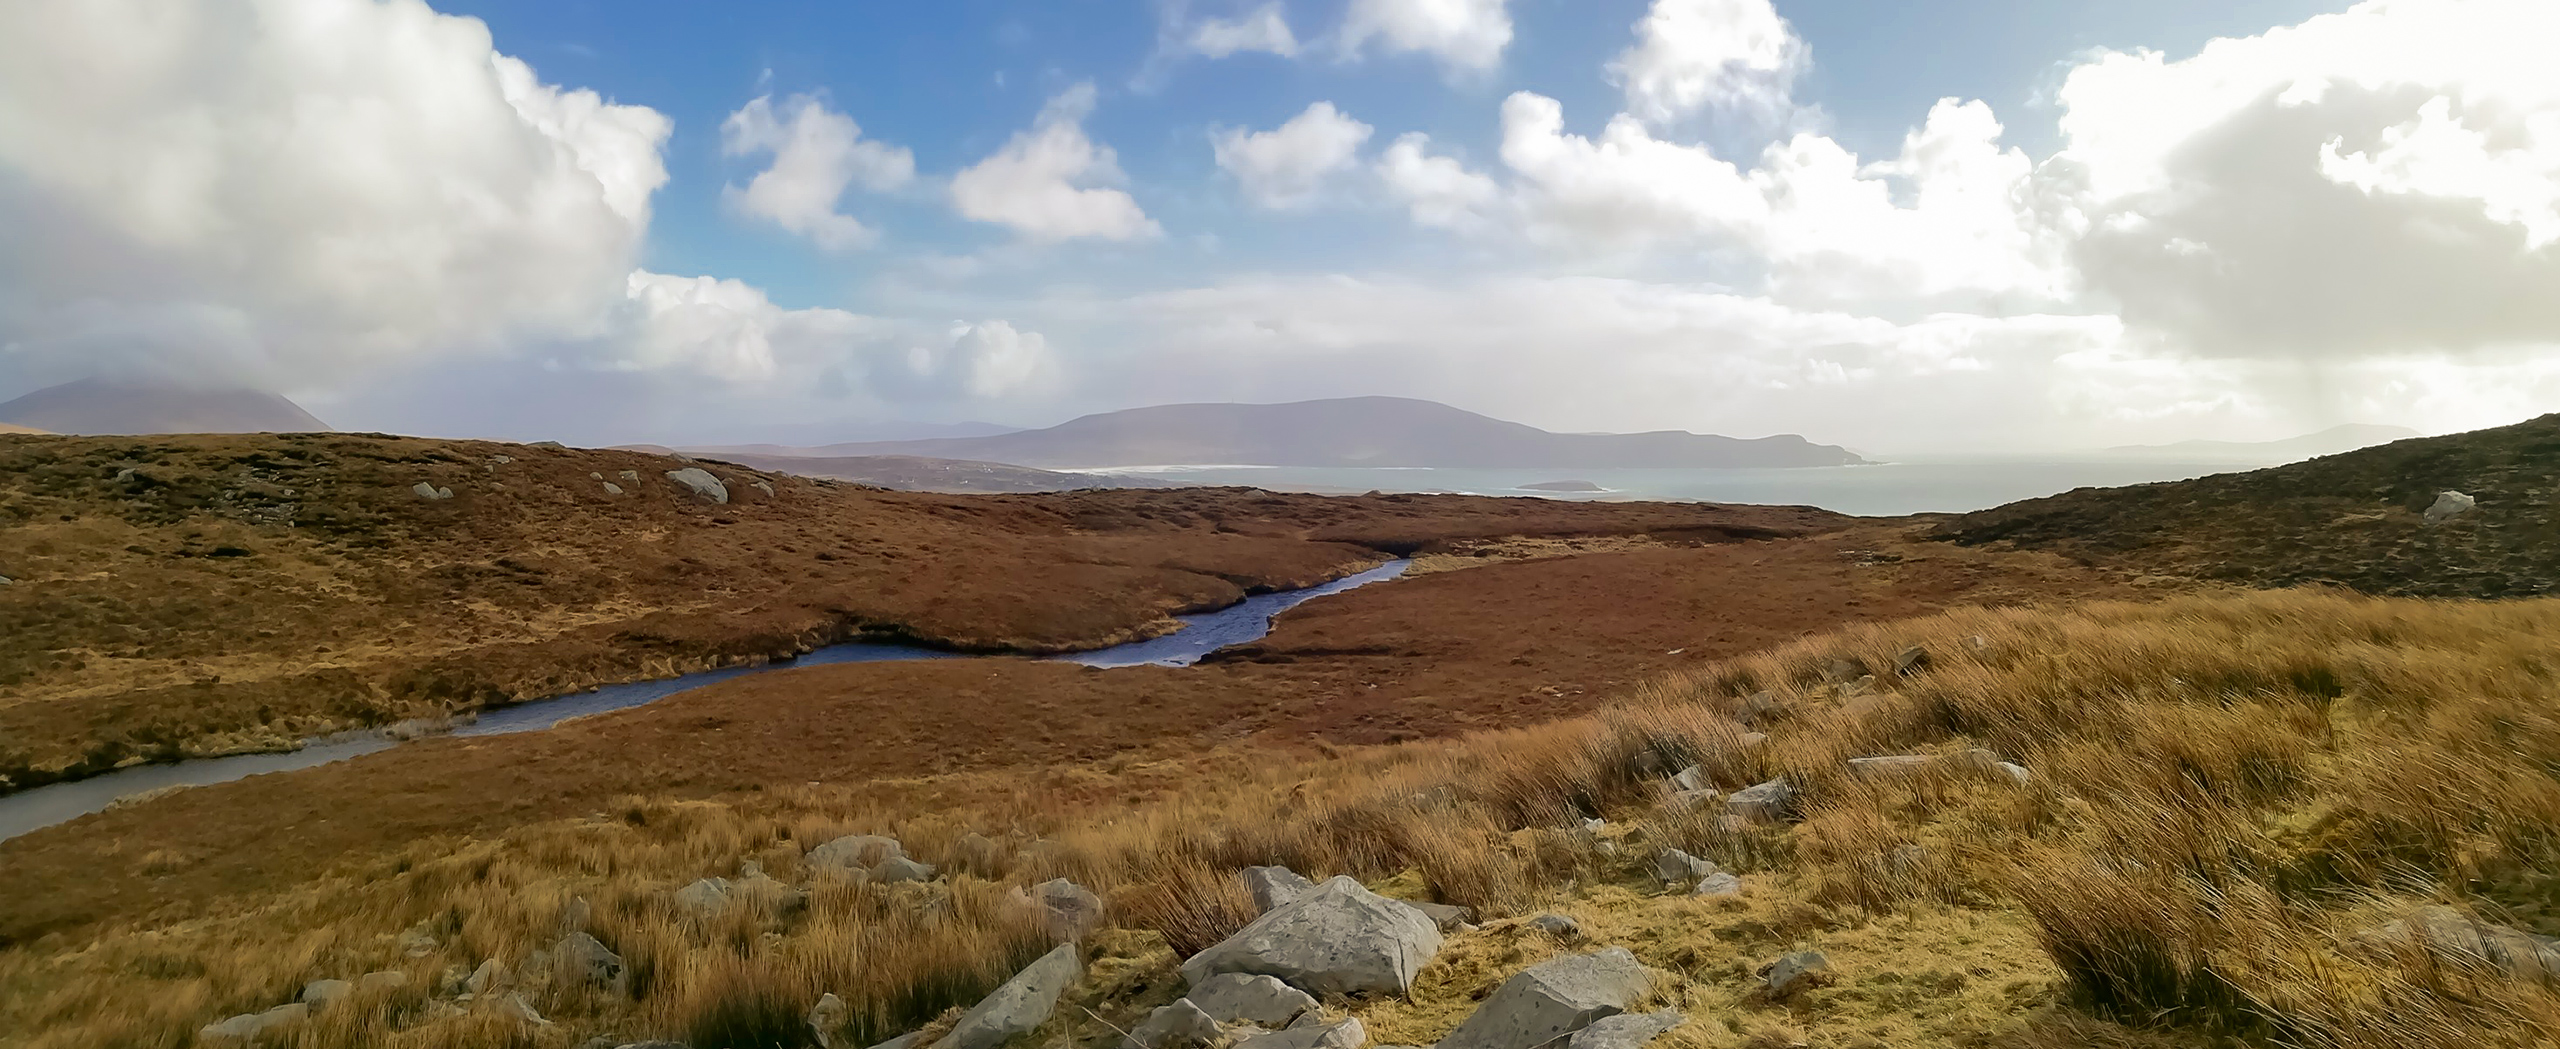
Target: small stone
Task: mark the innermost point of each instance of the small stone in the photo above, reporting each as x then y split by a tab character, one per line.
704	898
1892	766
826	1019
1843	672
1273	886
764	486
1068	910
1171	1027
430	492
1795	972
1720	883
514	1005
1556	925
1978	643
249	1027
701	483
574	917
1672	867
899	868
1753	739
2461	938
594	475
1763	803
1691	778
319	993
2449	505
629	475
1338	938
1761	707
611	488
382	981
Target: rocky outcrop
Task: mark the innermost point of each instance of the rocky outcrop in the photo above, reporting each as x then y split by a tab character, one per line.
1553	998
1339	938
1023	1003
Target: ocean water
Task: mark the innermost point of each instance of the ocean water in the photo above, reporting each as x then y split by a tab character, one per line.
1882	490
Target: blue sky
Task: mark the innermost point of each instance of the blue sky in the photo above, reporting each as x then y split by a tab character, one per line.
1995	226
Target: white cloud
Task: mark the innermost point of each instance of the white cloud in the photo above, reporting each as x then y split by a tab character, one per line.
1050	182
1465	35
1283	167
1264	28
989	359
1697	55
728	330
817	153
289	191
1436	190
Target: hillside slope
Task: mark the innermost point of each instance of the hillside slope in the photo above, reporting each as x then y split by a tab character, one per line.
2356	520
99	406
198	594
1351	431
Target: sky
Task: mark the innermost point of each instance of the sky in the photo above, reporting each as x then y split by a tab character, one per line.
2005	226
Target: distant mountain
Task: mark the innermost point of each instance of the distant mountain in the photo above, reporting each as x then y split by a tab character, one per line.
919	474
2331	441
1353	431
100	406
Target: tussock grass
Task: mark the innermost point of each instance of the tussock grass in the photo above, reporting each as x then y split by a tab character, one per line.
2226	791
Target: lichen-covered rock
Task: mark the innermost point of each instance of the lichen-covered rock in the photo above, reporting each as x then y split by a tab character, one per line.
1262	1001
1556	997
1175	1026
1068	911
1023	1003
1273	886
1339	938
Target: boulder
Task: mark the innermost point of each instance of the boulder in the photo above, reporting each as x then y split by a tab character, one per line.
899	868
1273	886
1338	938
1717	884
704	898
1910	661
701	483
249	1027
855	852
1244	998
2463	939
2449	505
1623	1031
826	1019
383	981
1023	1003
430	493
515	1007
1555	997
580	960
1343	1034
1445	915
490	976
319	993
1691	778
1763	803
1068	911
1795	972
764	486
1175	1026
1556	925
1673	866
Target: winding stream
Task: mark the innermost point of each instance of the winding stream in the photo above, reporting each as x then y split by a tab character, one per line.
1200	635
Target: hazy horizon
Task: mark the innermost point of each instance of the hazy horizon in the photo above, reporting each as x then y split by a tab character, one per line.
1975	230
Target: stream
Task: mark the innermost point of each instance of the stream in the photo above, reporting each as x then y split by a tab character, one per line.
1201	634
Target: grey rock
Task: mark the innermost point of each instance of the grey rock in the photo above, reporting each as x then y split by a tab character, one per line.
502	460
856	852
1068	910
574	917
1552	998
514	1005
1023	1003
1691	778
1310	1018
1556	925
5	580
1760	708
580	960
1753	739
319	993
899	868
490	976
595	475
826	1019
250	1026
1273	886
1343	1034
1445	915
1623	1031
1717	884
904	1041
1911	661
2017	773
2449	505
1672	867
629	475
2463	939
382	981
701	482
1843	672
1763	803
1339	938
1795	972
1181	1024
1250	998
430	492
611	488
704	898
764	486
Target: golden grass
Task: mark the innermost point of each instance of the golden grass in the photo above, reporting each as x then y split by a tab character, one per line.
2226	790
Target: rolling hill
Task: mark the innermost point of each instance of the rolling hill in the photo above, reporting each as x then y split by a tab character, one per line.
101	406
1354	431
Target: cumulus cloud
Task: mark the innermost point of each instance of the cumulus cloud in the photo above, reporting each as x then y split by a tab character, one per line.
279	192
1284	167
1053	183
1264	29
728	330
817	153
1436	190
1697	55
1467	36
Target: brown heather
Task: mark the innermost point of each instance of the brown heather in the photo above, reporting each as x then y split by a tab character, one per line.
2227	788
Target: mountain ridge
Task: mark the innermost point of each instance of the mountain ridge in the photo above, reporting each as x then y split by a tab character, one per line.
107	407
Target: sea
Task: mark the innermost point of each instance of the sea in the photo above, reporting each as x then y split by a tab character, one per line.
1886	489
